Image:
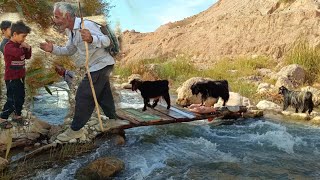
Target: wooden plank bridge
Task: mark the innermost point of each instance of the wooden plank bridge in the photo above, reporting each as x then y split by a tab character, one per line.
161	115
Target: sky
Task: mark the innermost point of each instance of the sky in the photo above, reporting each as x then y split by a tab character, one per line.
148	15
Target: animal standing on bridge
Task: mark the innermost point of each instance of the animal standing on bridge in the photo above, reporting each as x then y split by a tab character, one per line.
152	90
214	89
297	99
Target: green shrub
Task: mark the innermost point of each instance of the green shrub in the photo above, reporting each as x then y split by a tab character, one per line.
176	69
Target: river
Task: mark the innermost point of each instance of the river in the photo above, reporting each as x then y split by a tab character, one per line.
255	148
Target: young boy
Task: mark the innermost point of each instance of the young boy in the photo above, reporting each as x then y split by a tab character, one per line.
5	27
15	53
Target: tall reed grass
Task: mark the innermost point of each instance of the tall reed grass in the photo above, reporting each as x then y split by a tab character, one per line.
306	56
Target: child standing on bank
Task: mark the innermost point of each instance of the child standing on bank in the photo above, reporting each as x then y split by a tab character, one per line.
15	53
5	27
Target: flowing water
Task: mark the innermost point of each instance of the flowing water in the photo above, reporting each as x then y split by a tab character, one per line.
253	149
52	108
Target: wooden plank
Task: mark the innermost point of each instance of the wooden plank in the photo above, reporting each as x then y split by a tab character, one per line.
163	116
170	112
124	115
185	110
190	115
142	116
149	117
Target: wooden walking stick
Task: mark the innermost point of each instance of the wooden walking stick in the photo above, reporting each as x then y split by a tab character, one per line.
88	72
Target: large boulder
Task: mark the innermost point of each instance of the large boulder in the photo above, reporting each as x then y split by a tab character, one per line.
235	99
268	105
127	85
293	73
185	97
100	169
284	81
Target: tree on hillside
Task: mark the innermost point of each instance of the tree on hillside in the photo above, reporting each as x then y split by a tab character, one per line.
40	11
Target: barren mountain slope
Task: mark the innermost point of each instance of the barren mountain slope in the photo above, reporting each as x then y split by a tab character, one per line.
230	28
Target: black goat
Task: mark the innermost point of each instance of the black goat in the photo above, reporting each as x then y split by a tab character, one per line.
297	99
152	89
214	89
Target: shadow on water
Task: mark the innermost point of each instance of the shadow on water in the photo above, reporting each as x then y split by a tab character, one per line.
255	148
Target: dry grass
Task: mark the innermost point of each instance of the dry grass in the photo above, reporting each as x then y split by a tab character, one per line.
64	61
306	56
178	70
47	160
38	75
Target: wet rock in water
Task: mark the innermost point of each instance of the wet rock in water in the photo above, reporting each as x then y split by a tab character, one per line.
102	168
32	136
253	114
119	140
316	120
301	116
3	163
39	126
28	148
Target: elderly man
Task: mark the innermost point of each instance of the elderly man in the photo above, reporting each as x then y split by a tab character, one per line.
100	65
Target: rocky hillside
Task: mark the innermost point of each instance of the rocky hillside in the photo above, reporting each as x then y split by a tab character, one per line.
230	28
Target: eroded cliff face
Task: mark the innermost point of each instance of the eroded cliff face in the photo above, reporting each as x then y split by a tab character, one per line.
230	28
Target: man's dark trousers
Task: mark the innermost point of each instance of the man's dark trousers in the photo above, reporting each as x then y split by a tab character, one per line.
84	99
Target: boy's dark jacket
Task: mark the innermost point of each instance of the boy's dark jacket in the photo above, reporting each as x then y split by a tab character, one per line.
14	57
